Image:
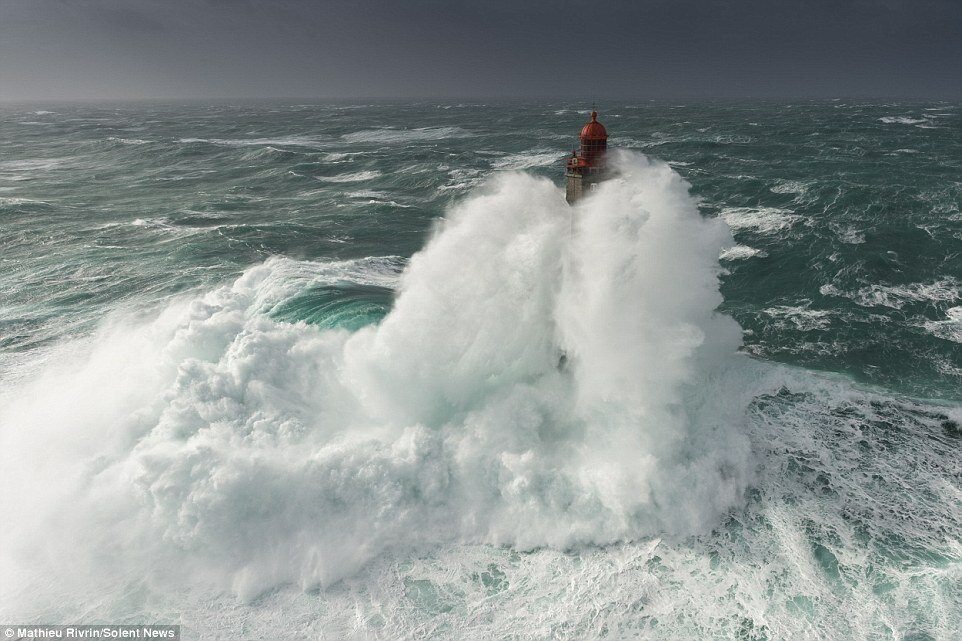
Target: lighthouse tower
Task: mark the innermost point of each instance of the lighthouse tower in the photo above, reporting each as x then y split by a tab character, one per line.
586	167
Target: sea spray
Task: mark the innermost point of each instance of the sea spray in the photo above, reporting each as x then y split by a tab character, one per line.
637	318
547	376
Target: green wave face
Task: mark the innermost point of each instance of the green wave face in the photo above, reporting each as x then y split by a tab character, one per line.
346	306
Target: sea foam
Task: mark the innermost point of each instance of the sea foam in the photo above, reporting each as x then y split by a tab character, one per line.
549	377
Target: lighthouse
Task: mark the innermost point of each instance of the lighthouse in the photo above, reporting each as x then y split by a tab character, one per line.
586	167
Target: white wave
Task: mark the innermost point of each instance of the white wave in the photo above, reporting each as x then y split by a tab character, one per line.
903	120
214	445
355	177
129	141
897	296
376	198
151	222
342	156
950	329
528	160
390	136
800	317
730	139
367	193
12	201
31	164
764	220
790	187
461	179
284	141
392	203
946	289
742	252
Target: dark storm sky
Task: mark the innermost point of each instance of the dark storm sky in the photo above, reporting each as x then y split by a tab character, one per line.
116	49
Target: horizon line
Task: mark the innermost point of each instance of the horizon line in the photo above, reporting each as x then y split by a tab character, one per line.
312	100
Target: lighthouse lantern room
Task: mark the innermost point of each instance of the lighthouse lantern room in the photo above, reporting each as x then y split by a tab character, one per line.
586	167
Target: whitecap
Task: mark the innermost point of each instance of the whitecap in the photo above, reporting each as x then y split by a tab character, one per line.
897	296
151	222
367	193
459	179
342	156
742	252
789	187
286	141
528	160
902	120
13	201
129	141
764	220
801	317
950	329
32	164
359	176
390	136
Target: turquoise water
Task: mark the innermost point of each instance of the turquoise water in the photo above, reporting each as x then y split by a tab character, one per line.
212	327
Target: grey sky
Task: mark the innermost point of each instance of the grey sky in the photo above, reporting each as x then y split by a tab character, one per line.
117	49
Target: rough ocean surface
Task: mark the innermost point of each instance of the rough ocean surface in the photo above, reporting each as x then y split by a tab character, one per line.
358	371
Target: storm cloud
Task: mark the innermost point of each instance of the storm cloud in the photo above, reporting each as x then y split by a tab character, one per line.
120	49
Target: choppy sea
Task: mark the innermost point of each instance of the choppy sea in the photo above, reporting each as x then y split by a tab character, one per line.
357	371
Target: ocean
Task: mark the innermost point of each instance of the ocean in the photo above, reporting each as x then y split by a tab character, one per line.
357	371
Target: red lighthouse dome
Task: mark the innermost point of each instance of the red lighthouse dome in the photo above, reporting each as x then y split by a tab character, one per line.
594	141
594	130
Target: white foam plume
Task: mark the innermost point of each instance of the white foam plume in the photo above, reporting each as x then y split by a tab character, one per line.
548	376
